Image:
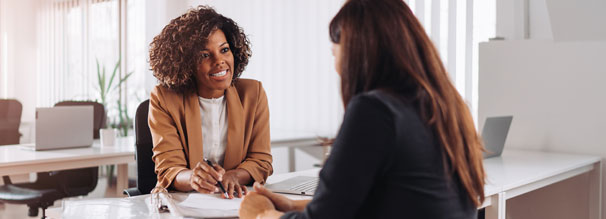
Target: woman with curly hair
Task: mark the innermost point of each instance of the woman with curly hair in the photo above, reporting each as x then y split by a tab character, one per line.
201	110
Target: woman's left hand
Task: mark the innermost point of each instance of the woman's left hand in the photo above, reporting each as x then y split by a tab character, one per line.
231	182
255	205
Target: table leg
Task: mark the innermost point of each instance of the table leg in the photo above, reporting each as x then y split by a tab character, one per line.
595	191
497	209
122	180
291	159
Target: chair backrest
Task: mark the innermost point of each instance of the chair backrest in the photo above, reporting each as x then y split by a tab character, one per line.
146	174
98	110
10	119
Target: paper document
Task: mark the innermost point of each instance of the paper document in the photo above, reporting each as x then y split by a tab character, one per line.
216	202
202	205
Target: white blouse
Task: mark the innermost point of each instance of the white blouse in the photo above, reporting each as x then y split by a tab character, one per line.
214	128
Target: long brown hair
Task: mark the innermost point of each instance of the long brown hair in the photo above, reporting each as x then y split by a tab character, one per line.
383	46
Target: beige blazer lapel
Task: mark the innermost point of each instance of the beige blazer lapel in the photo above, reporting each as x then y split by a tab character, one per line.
235	129
193	122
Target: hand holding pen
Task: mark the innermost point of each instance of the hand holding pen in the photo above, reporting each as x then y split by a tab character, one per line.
225	195
205	177
210	178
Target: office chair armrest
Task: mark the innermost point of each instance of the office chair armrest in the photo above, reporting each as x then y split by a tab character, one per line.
132	192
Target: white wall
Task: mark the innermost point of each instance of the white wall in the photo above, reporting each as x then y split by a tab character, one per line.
539	22
559	20
556	93
579	20
18	56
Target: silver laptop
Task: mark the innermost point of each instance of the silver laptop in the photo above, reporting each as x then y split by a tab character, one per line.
494	135
63	127
299	185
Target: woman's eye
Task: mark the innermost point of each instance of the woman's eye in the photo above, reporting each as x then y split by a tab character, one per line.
205	55
224	50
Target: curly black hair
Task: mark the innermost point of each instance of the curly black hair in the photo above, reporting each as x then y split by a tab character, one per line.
174	53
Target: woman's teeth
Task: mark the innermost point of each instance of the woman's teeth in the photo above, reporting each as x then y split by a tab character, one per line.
219	74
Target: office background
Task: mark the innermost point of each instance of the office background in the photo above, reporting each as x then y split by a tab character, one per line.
547	71
49	51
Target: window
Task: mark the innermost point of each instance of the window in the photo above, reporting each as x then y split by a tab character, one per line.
457	27
75	35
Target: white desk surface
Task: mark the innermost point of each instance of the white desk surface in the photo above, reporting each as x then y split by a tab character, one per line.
138	207
15	159
516	171
516	168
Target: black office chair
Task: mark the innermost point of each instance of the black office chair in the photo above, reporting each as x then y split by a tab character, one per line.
10	119
55	185
146	174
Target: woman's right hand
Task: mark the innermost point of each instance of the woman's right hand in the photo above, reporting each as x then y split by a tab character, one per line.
282	203
204	178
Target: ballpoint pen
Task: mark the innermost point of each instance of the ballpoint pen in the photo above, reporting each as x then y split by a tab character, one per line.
218	182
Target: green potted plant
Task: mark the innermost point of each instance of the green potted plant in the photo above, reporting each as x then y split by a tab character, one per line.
107	88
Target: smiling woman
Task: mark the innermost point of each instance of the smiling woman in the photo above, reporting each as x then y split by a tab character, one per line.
200	110
214	70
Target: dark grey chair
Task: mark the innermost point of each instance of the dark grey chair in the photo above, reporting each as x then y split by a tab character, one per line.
146	174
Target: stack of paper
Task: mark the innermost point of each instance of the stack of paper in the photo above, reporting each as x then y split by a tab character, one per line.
203	205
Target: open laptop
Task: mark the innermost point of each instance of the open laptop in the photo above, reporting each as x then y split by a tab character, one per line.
494	135
63	127
299	185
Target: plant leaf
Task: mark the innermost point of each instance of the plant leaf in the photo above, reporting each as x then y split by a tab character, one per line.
101	85
111	80
123	80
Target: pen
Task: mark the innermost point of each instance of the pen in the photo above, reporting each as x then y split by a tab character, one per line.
218	182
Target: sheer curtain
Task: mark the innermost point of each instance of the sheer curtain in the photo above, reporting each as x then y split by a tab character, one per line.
75	35
292	57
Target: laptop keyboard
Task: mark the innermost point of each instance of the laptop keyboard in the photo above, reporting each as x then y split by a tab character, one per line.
308	186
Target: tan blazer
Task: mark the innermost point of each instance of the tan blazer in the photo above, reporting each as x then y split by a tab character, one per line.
176	128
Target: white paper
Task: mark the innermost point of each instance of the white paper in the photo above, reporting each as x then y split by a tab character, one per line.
215	202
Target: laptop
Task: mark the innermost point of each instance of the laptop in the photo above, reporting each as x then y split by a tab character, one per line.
494	135
63	127
299	185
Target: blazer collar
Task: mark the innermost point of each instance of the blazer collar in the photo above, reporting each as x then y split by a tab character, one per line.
194	130
235	130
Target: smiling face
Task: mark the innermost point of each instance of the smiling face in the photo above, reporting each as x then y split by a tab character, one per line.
215	68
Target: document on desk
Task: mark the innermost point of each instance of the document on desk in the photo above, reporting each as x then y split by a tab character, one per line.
203	205
203	201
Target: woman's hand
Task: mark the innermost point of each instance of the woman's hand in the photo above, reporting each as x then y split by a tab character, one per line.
281	202
204	178
231	183
256	205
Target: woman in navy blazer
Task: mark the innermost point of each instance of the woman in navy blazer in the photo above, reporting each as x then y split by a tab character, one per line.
407	147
